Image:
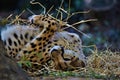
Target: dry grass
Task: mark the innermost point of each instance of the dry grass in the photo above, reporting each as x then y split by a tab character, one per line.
105	62
100	65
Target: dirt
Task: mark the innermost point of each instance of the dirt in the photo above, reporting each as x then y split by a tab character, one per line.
66	78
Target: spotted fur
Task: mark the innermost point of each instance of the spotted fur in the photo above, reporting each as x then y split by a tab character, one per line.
42	43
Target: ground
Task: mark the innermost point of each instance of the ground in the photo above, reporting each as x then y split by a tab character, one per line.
98	31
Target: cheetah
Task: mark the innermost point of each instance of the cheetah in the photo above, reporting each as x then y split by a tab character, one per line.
41	42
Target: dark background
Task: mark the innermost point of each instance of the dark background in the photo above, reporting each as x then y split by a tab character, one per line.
105	32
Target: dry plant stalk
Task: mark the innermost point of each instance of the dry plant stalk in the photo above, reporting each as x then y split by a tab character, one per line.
105	62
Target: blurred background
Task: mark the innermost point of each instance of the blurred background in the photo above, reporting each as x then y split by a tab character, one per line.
104	33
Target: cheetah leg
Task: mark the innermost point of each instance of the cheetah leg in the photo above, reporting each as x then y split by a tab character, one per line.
36	43
64	60
58	60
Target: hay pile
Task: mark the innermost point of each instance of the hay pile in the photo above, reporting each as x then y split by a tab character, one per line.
105	62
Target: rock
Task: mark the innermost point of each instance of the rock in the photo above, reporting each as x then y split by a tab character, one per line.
9	70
